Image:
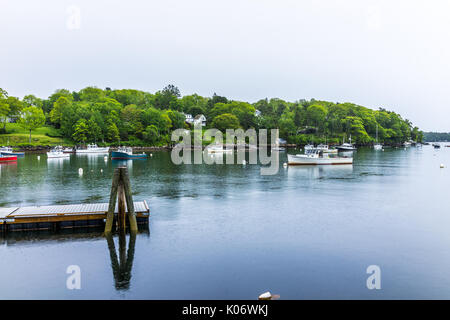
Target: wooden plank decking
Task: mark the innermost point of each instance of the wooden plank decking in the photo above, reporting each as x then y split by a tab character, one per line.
73	215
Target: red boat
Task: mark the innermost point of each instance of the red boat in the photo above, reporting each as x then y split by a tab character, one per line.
8	158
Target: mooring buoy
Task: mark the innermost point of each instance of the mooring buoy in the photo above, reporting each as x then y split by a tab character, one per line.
80	171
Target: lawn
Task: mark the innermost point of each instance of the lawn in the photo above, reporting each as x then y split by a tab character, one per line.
18	136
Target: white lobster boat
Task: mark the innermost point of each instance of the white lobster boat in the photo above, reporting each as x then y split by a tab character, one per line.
93	148
57	152
316	157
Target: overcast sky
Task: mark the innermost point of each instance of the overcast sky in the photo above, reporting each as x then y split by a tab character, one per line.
391	54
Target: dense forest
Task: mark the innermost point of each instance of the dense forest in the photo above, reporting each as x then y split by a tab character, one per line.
436	136
136	117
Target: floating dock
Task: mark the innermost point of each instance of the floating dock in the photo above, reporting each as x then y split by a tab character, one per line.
63	216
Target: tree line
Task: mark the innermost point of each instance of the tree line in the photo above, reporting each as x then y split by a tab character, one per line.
141	118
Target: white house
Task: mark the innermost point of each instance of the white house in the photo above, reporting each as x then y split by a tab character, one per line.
257	113
200	119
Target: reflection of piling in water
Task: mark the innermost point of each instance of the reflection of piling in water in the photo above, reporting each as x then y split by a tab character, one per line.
122	265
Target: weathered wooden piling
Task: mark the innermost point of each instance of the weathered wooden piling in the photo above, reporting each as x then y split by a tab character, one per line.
121	188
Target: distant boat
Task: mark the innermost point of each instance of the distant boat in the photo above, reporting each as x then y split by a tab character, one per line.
346	146
69	150
218	149
436	145
93	148
407	144
278	149
8	158
57	152
377	146
326	149
126	153
9	151
309	147
315	157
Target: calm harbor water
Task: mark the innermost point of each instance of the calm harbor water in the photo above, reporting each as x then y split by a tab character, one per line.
226	232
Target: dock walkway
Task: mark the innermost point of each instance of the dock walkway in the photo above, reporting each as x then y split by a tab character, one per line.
62	216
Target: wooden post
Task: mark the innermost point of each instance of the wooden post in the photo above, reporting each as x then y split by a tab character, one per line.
121	187
121	215
112	201
129	198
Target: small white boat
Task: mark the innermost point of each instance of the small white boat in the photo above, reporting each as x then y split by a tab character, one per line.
309	147
377	146
278	149
68	150
346	146
326	149
315	157
93	148
57	152
407	144
218	149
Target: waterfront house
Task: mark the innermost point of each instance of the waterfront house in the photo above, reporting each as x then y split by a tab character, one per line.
200	119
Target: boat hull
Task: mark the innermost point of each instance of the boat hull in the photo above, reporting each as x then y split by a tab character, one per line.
100	150
300	160
116	155
8	158
59	155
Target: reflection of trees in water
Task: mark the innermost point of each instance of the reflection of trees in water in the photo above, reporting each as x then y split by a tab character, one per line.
123	264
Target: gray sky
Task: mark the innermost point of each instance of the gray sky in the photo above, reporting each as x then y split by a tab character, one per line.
393	54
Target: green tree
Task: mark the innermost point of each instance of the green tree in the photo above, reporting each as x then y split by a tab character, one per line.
151	134
81	131
225	121
32	118
113	132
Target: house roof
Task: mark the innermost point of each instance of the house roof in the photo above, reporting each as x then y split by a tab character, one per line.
197	117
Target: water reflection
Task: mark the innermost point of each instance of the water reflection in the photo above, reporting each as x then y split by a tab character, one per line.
122	265
318	172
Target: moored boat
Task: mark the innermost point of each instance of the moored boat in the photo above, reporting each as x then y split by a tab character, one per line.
93	148
315	157
218	149
10	151
57	152
326	149
126	153
436	145
9	158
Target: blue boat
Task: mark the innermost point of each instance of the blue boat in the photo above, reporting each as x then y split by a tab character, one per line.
8	151
126	153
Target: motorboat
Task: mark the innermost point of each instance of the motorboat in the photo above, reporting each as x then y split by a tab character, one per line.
57	152
436	145
10	152
316	157
93	148
326	149
218	149
69	150
346	146
126	153
8	158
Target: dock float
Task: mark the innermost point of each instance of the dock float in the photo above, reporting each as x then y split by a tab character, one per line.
58	217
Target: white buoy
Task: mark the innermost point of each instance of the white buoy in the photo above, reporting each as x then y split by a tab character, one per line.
265	296
244	162
285	165
442	166
39	157
101	170
106	158
151	154
80	171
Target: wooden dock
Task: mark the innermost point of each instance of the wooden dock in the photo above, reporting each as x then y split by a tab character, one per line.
63	216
